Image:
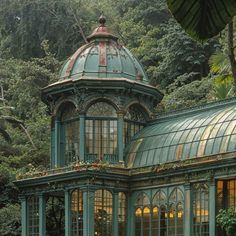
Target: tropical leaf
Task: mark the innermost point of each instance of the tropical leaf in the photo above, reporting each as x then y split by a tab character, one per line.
203	19
220	63
222	87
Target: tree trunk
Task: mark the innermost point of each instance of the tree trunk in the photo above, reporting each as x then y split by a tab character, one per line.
231	51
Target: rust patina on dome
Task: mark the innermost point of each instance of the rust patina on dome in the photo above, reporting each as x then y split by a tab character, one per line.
103	57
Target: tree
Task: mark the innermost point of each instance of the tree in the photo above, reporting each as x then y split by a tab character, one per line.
10	220
5	118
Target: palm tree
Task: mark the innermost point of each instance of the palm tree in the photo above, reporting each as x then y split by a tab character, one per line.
222	75
203	19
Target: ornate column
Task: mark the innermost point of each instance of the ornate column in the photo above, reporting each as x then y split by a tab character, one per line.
115	214
187	210
67	213
212	207
42	215
82	137
130	216
57	143
88	212
120	128
23	215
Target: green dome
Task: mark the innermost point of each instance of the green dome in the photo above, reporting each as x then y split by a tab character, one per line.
103	57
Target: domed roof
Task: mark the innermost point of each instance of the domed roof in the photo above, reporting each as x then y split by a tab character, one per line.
103	57
199	133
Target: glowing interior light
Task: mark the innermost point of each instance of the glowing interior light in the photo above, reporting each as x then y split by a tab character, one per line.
180	214
146	210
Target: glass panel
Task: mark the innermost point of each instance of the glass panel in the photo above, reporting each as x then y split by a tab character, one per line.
163	221
130	129
71	142
159	199
200	209
77	213
134	122
226	198
101	109
176	201
103	213
55	215
172	218
180	221
138	222
231	194
101	140
155	221
135	113
142	200
33	216
143	220
122	214
146	221
70	133
68	112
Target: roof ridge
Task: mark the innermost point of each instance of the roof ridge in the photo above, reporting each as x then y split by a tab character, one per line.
190	110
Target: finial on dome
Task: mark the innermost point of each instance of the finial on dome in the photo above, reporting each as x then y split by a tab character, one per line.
102	20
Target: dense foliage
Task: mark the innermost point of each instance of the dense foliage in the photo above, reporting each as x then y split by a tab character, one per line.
37	35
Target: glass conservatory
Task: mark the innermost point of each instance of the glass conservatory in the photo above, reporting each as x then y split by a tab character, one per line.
117	167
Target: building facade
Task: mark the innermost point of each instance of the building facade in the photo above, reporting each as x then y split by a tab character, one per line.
117	168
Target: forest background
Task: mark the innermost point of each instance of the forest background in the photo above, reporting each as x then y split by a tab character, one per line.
36	36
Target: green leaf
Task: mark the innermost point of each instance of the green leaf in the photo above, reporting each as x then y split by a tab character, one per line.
203	19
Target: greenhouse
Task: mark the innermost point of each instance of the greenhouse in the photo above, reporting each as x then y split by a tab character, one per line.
118	168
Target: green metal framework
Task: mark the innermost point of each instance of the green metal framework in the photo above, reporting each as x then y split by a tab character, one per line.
160	184
122	215
134	120
160	214
200	209
182	137
70	139
77	213
103	213
33	216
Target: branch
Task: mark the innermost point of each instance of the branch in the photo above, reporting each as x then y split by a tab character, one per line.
77	20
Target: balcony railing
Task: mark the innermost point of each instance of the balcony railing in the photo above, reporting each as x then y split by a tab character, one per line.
110	158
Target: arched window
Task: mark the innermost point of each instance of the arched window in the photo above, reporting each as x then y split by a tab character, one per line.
122	214
77	213
200	209
159	214
101	132
103	213
33	215
175	216
134	121
142	215
69	134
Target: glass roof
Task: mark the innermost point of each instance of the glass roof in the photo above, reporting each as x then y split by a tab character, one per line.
201	133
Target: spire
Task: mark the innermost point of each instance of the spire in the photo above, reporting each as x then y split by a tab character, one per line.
102	20
102	31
